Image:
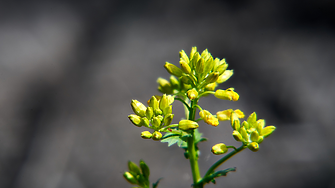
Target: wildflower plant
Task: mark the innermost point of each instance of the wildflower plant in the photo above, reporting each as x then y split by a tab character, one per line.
197	77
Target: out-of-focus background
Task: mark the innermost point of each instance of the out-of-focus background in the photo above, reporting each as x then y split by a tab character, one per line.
69	69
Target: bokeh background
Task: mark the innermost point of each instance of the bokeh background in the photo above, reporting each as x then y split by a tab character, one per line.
69	69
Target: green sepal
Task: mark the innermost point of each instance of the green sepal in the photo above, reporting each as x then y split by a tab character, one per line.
145	169
173	69
133	168
154	185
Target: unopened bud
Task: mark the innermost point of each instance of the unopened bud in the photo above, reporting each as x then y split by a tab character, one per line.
219	149
135	119
211	86
173	69
156	135
224	115
225	76
138	108
212	77
192	94
146	135
237	136
168	119
130	178
187	125
253	146
268	130
228	94
185	67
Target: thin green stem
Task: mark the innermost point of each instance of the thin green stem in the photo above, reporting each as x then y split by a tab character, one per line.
222	160
191	149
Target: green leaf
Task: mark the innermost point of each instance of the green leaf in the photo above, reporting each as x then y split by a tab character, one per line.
216	174
173	140
154	185
198	137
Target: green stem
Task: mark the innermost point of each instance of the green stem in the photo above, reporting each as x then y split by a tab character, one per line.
191	149
222	160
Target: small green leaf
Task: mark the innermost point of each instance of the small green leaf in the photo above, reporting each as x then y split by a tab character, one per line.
154	185
198	137
216	174
173	140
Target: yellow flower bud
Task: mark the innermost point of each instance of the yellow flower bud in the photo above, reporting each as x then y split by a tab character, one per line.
156	135
239	113
174	82
254	136
168	119
164	86
149	112
163	103
225	76
187	125
156	122
183	56
253	146
209	118
236	125
268	130
237	136
224	115
211	86
145	121
221	69
244	134
219	149
228	94
200	65
135	119
138	108
192	94
185	67
146	135
130	178
212	77
193	51
173	69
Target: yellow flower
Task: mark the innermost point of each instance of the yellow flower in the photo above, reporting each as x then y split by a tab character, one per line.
209	118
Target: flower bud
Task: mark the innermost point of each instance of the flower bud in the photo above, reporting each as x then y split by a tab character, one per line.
168	119
219	149
163	103
138	108
252	118
192	94
199	66
146	135
164	86
254	136
212	77
187	125
195	59
145	122
211	86
156	135
239	113
244	134
268	130
150	112
167	110
221	69
133	168
135	119
156	122
130	178
237	136
236	125
183	56
193	51
173	69
209	118
225	76
253	146
185	67
224	115
228	94
174	82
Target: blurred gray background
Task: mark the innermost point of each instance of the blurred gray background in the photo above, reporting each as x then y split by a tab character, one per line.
69	69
